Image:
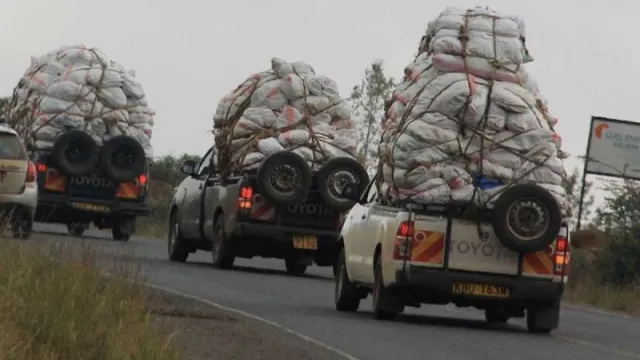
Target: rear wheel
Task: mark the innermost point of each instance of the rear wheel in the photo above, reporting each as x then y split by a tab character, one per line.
385	305
123	229
22	225
77	229
294	267
542	320
175	242
346	294
219	245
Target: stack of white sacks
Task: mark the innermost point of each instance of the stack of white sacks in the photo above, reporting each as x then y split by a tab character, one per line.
286	108
77	88
455	118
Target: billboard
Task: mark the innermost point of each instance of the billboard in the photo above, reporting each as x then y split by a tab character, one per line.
613	148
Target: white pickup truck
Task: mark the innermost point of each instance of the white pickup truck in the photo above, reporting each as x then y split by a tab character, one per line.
409	254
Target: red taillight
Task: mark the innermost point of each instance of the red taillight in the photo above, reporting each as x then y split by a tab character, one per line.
31	173
405	229
562	255
246	197
142	179
42	168
404	241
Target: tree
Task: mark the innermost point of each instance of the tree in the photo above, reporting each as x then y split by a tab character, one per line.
167	168
619	263
368	100
572	184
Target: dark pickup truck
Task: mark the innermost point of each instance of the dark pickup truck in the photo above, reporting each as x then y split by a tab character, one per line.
238	217
80	189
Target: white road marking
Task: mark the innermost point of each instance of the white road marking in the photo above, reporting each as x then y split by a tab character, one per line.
258	318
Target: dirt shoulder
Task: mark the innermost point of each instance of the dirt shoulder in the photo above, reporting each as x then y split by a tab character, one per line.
203	332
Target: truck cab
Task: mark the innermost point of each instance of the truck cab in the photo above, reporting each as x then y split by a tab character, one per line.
232	218
406	255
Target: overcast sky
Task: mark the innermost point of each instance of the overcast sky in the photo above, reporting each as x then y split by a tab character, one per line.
189	53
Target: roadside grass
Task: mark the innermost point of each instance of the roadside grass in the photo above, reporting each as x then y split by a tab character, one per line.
586	287
588	291
67	309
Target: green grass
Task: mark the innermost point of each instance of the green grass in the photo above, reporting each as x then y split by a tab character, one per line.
67	309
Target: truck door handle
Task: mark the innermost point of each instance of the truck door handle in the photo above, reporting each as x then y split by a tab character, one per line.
200	187
364	217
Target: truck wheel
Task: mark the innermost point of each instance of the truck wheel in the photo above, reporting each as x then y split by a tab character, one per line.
294	268
497	316
77	229
175	241
75	153
123	229
385	305
346	294
284	178
219	247
526	218
22	225
122	158
334	175
542	320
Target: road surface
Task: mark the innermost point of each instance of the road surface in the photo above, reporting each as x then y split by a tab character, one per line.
305	305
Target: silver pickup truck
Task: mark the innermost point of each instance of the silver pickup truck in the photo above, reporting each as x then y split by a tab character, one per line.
238	216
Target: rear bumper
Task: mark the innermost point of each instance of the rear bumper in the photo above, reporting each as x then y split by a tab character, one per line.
60	206
27	200
428	283
255	239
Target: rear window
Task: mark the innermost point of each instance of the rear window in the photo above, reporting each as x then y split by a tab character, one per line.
11	147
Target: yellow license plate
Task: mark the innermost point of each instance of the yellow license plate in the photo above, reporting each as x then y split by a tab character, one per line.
91	207
305	242
480	290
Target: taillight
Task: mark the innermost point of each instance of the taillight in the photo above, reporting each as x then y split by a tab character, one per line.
404	241
142	179
562	254
31	173
245	199
42	168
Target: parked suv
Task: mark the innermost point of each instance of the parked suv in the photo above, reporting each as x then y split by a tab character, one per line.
18	189
506	261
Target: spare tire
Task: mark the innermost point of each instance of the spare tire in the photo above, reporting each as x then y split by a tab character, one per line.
526	218
75	153
284	178
122	158
334	175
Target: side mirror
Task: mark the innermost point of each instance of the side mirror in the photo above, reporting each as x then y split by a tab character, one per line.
352	192
188	167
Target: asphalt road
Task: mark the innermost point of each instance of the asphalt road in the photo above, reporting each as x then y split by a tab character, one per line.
305	305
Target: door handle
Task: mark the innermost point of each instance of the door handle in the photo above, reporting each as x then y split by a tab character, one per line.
200	187
364	217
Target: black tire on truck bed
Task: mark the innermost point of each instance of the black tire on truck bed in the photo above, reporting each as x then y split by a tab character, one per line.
332	177
75	153
284	178
522	204
122	158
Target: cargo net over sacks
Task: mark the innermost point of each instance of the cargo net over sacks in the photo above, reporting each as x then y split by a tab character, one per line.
289	116
77	96
468	123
